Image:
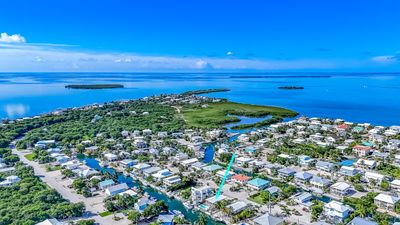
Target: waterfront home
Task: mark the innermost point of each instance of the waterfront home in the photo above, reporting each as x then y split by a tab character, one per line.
386	202
211	168
348	171
286	173
110	157
150	171
106	184
71	165
303	199
172	180
362	221
86	172
143	203
302	177
241	179
325	166
340	189
50	222
129	192
268	219
214	200
374	177
395	184
10	180
116	189
361	151
258	184
237	207
336	211
201	193
165	219
320	182
60	159
305	160
159	175
127	163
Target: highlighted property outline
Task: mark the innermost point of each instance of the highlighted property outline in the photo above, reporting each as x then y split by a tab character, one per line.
226	174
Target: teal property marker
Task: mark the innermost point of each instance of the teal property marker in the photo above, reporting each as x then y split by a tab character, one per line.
226	174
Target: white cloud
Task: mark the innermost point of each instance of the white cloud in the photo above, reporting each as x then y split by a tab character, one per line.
14	110
387	58
229	53
15	38
49	58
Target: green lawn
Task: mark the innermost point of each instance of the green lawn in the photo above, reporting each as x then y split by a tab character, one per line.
216	114
256	199
104	214
30	156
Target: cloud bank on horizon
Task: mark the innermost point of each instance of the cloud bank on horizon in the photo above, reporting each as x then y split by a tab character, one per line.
18	55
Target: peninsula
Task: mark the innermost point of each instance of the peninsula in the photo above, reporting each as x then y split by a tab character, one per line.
94	86
205	91
291	87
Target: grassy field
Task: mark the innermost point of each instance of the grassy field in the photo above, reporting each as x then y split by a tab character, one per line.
104	214
216	114
257	199
30	156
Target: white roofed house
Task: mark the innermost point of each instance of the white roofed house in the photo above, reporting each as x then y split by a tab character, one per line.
159	175
374	178
340	189
336	211
268	219
237	207
386	202
395	184
172	180
116	189
10	180
201	193
366	163
110	157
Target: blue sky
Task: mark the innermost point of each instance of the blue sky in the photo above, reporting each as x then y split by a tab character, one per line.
176	35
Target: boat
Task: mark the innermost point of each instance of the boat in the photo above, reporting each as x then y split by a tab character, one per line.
187	205
103	164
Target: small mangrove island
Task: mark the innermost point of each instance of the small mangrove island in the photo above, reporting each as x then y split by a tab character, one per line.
94	86
291	87
205	91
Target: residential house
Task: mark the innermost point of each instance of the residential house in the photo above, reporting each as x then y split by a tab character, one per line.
116	189
362	151
237	207
348	171
10	180
302	177
336	211
221	174
286	172
325	166
268	219
366	163
320	182
143	203
241	179
50	222
106	184
258	184
386	202
395	184
374	177
127	163
362	221
200	194
305	160
159	175
172	180
110	157
303	199
340	189
165	219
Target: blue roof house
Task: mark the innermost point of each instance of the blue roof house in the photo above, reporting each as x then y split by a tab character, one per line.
258	183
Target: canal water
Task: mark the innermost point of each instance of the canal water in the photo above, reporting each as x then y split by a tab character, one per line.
173	204
209	151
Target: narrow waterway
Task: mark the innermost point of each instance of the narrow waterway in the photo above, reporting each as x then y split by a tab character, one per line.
173	204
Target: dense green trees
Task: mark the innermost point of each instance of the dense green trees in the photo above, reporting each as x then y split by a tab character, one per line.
32	201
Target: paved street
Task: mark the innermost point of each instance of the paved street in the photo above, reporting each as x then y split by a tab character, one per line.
94	205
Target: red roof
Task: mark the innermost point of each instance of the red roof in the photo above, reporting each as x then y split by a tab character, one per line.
362	148
342	126
241	177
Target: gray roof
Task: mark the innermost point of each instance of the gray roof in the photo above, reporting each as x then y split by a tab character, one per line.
118	187
287	171
303	175
361	221
268	219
